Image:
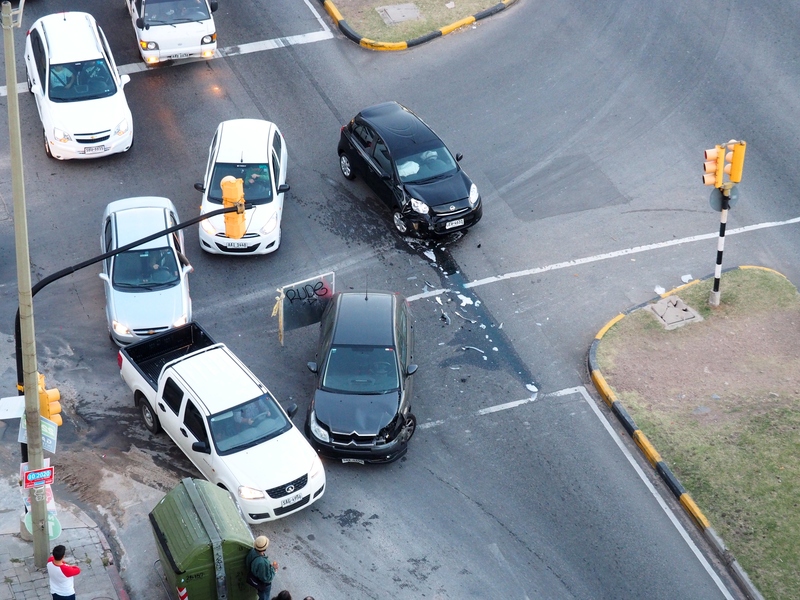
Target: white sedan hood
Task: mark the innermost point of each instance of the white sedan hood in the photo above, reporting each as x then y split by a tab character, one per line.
256	217
91	116
148	309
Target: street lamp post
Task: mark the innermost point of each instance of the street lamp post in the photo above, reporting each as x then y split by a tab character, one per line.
41	538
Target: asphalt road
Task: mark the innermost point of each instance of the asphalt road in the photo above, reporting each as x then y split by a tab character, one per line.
583	125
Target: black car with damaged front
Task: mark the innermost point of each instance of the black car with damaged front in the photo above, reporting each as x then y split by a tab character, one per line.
411	169
361	411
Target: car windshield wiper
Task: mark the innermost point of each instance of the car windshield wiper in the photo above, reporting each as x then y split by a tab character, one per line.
429	179
158	22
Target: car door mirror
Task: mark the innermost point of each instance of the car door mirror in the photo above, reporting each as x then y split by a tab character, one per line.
124	80
187	269
214	5
35	88
385	176
199	187
411	369
312	366
201	447
140	23
291	410
284	187
459	156
104	277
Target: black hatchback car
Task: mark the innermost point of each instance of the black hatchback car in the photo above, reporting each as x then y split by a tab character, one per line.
361	411
411	169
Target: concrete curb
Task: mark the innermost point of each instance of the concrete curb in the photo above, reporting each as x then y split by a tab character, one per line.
652	455
350	33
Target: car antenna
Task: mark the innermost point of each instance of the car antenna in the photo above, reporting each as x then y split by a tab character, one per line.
366	288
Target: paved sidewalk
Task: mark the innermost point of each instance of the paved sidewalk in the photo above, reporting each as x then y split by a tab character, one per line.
86	547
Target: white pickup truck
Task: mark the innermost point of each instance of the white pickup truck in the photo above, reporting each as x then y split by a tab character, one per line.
225	420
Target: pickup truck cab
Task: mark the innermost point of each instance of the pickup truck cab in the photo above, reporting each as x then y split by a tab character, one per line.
225	420
173	29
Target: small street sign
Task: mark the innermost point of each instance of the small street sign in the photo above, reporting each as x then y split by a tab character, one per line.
53	525
49	434
38	477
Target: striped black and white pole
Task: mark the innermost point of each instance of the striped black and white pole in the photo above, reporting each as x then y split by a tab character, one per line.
713	299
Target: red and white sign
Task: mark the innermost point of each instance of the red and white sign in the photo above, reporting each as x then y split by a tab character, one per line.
183	594
38	477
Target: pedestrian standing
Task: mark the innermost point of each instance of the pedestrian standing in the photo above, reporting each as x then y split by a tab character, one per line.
260	571
62	584
283	595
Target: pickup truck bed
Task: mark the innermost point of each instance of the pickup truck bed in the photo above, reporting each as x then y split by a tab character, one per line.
150	355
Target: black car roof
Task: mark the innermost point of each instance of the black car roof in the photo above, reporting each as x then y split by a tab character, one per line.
365	320
402	130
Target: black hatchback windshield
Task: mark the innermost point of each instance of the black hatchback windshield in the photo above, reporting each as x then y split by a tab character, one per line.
428	164
361	370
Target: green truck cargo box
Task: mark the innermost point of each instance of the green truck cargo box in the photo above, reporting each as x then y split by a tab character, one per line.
202	543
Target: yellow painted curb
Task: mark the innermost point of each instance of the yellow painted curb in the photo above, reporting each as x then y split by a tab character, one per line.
681	287
331	9
373	45
645	446
764	269
694	510
605	390
609	325
457	25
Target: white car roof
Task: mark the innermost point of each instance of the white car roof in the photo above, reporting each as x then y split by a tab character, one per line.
219	381
139	217
244	141
70	37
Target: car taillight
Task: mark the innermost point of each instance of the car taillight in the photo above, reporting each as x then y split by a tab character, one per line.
119	359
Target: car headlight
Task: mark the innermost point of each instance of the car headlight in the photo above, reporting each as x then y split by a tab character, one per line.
122	127
316	429
209	39
61	136
208	227
270	225
419	206
148	45
179	322
248	493
119	328
473	194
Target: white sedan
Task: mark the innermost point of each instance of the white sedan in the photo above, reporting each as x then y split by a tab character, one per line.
147	287
254	151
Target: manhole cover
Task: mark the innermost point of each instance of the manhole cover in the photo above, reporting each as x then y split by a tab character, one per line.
397	13
673	312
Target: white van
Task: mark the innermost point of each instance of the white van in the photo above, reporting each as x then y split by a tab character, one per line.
172	29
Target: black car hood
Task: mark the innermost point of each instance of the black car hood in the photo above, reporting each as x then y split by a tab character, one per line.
365	414
447	190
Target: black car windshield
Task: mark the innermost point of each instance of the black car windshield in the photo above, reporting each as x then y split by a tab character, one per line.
427	164
87	80
154	268
169	12
256	179
361	370
248	424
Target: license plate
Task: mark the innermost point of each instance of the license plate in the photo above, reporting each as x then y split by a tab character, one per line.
353	460
237	245
454	223
291	500
94	149
179	55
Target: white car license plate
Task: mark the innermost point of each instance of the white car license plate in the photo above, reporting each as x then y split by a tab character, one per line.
291	500
353	460
94	149
179	55
454	223
237	244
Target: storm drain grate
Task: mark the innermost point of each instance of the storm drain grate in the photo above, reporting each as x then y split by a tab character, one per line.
673	312
398	13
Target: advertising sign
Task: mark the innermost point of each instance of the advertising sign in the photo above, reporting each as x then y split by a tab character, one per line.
38	477
49	434
301	303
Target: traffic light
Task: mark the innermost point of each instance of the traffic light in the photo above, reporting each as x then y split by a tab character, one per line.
49	405
714	166
233	195
735	160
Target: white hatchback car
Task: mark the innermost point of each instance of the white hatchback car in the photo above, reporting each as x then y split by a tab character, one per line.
172	29
254	151
78	90
147	287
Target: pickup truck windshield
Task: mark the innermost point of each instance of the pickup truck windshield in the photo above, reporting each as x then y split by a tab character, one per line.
248	424
169	12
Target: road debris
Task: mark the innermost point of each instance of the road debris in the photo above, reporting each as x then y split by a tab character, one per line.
465	300
463	317
472	348
445	317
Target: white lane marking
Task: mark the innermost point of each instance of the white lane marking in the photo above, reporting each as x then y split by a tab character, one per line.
625	252
588	399
494	549
261	46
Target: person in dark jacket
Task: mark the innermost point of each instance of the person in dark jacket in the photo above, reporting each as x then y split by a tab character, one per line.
259	566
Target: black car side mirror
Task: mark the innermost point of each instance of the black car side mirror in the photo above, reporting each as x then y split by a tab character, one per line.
459	156
199	187
284	187
201	447
411	369
291	410
312	366
214	5
386	176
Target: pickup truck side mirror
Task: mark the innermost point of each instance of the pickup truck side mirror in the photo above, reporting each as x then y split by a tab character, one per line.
36	88
312	366
214	5
199	187
411	369
104	277
201	447
291	410
284	187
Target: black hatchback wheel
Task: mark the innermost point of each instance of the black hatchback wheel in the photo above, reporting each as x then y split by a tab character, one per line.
409	428
345	166
399	222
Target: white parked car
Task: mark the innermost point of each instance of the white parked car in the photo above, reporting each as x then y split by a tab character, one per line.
254	151
147	287
78	90
172	29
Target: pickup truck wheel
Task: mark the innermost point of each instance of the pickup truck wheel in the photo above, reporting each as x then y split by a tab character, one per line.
149	417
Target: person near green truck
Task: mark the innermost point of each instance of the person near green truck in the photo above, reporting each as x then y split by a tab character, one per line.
260	571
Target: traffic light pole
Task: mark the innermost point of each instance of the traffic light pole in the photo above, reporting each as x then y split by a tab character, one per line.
713	299
24	337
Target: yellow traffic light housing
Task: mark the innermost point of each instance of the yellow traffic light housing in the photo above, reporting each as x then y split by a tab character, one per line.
233	195
735	160
49	405
714	166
